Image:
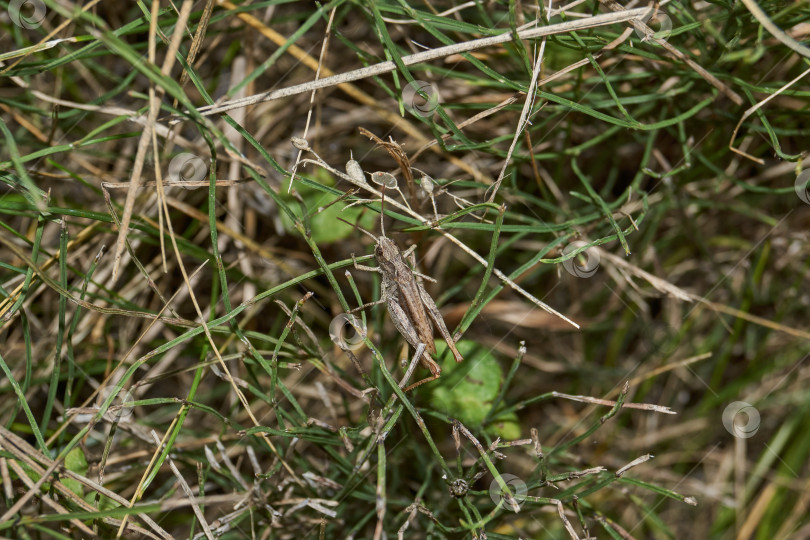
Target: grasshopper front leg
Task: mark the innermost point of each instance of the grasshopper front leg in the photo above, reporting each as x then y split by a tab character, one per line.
364	267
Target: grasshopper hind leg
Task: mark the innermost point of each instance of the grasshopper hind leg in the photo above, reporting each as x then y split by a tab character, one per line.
435	373
398	316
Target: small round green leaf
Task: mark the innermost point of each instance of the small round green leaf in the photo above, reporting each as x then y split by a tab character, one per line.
466	390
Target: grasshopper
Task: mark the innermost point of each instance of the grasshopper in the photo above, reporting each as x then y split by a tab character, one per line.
410	307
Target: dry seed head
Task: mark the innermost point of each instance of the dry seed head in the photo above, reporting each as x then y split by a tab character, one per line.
300	143
427	184
384	179
355	171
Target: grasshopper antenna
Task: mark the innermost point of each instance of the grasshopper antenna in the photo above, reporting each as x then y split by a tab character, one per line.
359	228
382	212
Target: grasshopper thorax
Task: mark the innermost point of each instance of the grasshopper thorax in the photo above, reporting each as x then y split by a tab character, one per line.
386	252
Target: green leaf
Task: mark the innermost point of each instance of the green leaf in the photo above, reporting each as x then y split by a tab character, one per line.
75	462
466	390
505	426
324	225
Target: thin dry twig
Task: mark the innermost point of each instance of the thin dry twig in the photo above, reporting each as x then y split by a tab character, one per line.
638	461
47	499
154	108
197	41
312	95
426	56
685	296
348	88
642	27
754	108
777	32
524	119
36	460
610	403
461	125
187	490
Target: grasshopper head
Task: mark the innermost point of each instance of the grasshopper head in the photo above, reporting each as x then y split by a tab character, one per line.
386	251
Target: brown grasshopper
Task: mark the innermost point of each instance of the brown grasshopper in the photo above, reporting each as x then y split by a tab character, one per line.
411	308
